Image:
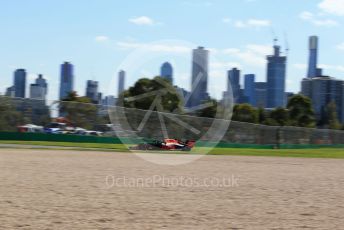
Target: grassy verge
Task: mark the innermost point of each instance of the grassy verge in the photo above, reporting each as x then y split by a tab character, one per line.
117	147
310	153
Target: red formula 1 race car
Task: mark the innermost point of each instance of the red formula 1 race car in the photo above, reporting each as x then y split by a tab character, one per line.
166	144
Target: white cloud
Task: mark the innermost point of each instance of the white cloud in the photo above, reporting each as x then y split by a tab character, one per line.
317	20
214	87
239	24
340	46
143	20
231	51
249	23
335	7
225	65
252	54
306	15
226	20
303	66
217	73
213	50
260	49
155	47
183	76
300	66
339	68
252	58
101	38
258	22
31	76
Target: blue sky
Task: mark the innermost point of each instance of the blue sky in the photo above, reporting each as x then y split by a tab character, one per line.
101	36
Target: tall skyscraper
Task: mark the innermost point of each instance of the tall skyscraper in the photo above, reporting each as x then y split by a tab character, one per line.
313	57
121	81
166	71
323	90
19	83
39	89
276	71
66	80
249	89
92	90
233	82
42	83
199	83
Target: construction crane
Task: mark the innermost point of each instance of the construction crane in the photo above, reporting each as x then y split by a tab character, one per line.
286	44
274	37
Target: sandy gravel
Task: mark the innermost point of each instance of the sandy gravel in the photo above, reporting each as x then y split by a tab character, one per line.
47	189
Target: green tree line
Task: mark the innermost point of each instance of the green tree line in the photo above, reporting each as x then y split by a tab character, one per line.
298	112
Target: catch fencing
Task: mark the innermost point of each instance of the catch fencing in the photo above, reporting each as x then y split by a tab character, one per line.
119	122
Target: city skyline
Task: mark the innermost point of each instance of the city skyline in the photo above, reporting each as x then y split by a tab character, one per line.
324	92
97	44
276	94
